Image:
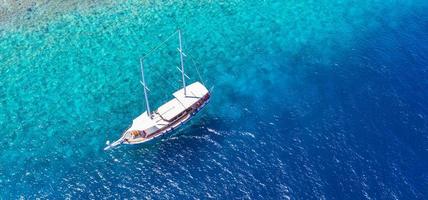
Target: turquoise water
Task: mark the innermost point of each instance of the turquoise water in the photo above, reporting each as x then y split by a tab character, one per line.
312	99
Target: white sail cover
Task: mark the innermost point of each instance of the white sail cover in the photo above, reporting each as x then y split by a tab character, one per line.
143	122
171	109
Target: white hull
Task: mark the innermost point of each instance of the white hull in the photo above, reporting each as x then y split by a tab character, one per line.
167	117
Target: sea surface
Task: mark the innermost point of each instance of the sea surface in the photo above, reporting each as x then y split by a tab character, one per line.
323	99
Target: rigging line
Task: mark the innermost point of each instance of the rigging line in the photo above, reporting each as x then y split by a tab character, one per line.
196	67
159	46
158	73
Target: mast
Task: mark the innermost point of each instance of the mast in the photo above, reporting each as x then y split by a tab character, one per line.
145	88
182	62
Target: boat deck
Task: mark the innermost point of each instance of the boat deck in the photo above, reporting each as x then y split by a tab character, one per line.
168	116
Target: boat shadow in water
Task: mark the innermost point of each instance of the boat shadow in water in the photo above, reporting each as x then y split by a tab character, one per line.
203	127
194	136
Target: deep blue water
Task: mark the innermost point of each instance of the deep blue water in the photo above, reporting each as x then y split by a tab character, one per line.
311	100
